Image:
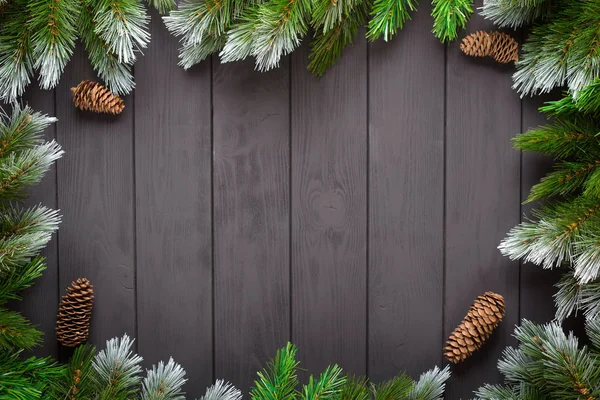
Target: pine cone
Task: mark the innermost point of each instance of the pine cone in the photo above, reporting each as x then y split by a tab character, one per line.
92	96
74	313
501	47
477	326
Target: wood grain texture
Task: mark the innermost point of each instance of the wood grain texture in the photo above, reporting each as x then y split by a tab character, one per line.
40	302
251	218
482	201
95	194
329	225
537	284
173	210
406	200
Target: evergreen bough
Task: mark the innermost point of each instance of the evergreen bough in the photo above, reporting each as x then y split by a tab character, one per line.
548	364
24	160
563	48
565	230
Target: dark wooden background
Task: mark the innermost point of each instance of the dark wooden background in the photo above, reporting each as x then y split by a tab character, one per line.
226	211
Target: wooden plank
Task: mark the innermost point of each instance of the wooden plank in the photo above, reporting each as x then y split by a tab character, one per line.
40	303
406	200
173	210
251	218
329	228
482	201
95	194
537	284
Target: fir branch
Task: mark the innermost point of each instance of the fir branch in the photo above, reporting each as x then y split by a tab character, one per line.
25	233
514	13
327	14
164	382
21	170
397	388
449	16
431	385
328	44
16	53
222	390
202	25
117	370
587	102
563	138
327	387
278	381
54	27
238	44
29	379
78	383
162	6
20	279
550	240
123	26
566	179
22	130
117	75
592	328
17	332
280	26
389	16
355	388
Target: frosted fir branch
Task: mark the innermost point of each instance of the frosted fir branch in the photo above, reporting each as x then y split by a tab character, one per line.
164	382
18	247
222	390
238	44
117	76
117	369
431	385
513	13
20	170
22	129
123	26
16	54
54	24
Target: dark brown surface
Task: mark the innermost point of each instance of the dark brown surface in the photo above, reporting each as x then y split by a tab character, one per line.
226	211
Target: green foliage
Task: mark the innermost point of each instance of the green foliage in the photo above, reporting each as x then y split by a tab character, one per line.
548	364
560	51
28	379
565	231
77	384
587	102
388	16
279	379
449	16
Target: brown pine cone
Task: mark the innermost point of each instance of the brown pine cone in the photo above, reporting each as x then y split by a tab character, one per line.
92	96
477	326
74	313
501	47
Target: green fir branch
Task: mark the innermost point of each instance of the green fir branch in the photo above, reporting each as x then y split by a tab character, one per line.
327	387
389	16
14	282
28	379
563	138
78	383
279	380
163	6
328	45
16	332
356	388
397	388
22	129
449	16
587	102
567	178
